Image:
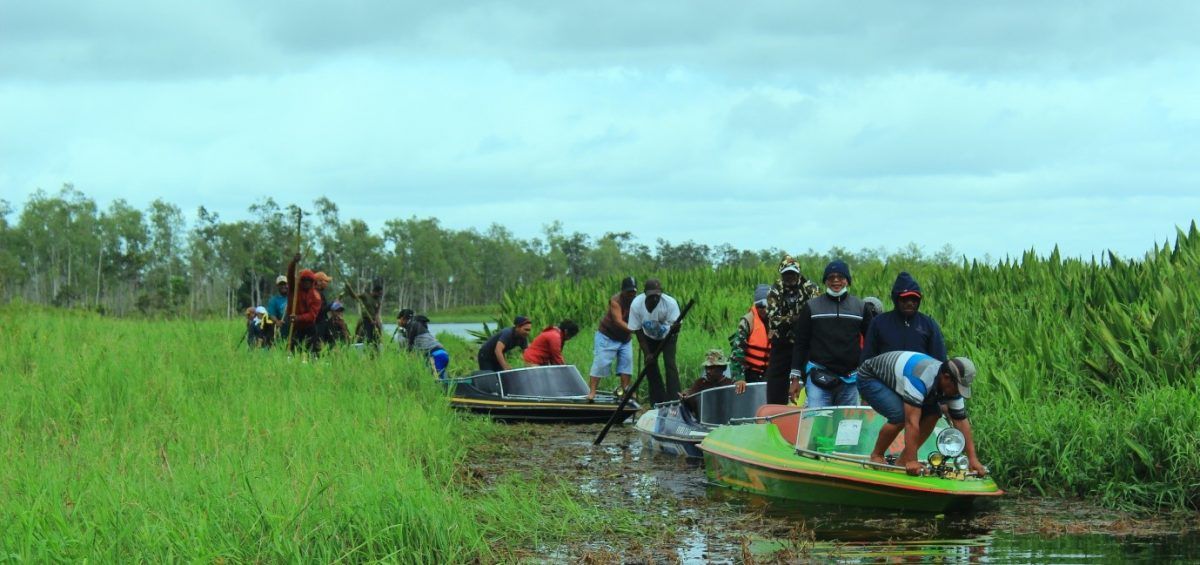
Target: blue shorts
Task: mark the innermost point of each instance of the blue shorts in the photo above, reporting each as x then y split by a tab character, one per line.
605	350
887	401
441	360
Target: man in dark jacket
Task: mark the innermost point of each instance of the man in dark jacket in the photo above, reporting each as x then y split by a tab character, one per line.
828	341
904	328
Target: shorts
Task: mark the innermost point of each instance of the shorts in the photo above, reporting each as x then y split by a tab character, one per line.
604	350
441	359
887	401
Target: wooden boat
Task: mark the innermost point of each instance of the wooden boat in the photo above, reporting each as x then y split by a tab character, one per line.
820	456
677	427
551	393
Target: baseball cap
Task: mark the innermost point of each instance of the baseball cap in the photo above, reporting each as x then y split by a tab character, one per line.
653	287
962	370
521	321
628	284
281	279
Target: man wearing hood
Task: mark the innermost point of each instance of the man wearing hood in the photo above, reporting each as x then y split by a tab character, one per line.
828	341
418	337
784	302
302	314
904	328
749	346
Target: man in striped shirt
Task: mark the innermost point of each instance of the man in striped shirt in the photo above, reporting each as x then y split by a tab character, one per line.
908	388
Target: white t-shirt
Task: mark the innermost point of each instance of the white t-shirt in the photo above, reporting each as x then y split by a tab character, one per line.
655	324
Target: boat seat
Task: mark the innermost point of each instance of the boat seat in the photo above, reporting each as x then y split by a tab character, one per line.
788	425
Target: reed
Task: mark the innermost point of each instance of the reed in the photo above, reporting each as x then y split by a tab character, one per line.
160	441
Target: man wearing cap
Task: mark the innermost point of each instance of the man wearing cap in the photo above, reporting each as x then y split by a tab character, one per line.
491	354
653	316
418	337
907	387
749	346
613	340
303	314
828	341
784	302
277	305
714	376
904	328
337	332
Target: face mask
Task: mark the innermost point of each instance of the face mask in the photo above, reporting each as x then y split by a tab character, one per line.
836	294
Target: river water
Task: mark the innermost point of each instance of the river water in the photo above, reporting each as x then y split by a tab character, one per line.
701	522
459	329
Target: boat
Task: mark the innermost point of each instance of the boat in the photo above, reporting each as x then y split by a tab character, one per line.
548	393
821	456
677	427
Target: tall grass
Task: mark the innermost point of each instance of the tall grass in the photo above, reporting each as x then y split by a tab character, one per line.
1089	370
126	440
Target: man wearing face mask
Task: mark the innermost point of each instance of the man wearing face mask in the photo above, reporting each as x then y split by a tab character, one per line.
828	341
784	301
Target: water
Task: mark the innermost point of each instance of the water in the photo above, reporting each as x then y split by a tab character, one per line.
457	329
709	523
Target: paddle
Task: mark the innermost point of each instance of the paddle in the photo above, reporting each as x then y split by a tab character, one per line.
295	282
641	375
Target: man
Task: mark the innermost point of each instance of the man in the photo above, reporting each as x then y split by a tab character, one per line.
904	328
491	355
714	374
907	387
303	314
614	339
547	347
336	329
749	346
277	306
653	316
828	341
418	337
321	328
370	325
784	302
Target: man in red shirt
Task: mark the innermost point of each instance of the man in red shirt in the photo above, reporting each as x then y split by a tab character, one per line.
302	312
547	347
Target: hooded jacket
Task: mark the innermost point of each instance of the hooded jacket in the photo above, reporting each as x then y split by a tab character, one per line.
308	303
892	331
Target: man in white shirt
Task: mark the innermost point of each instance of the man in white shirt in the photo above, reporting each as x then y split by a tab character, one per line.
653	316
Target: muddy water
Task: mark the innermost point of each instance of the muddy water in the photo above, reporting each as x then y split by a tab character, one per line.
699	522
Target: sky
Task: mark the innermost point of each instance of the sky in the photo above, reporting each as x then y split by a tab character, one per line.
992	127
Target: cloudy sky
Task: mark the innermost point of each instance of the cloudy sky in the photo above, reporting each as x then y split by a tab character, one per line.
994	127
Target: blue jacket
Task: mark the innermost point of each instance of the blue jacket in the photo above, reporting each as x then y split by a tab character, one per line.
892	331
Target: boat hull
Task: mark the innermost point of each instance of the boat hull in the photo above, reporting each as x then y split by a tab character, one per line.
558	411
755	458
671	435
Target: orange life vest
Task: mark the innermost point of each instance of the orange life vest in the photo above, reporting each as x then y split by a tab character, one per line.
757	345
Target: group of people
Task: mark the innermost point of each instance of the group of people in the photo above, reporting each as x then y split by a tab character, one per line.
835	345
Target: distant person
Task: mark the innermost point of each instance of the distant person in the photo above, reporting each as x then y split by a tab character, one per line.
418	337
907	388
338	333
370	324
749	346
614	339
277	305
547	347
321	284
302	315
266	327
253	332
714	376
654	316
491	355
784	301
828	341
904	328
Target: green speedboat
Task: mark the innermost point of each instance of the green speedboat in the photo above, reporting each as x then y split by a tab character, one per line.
820	456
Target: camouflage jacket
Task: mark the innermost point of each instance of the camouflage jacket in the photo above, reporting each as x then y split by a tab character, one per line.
784	304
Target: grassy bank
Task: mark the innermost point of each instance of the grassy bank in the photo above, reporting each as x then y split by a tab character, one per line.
157	441
1089	378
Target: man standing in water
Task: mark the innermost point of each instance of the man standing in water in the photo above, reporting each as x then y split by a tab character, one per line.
613	339
784	302
654	316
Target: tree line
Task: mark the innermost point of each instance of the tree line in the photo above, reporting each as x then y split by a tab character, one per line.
64	250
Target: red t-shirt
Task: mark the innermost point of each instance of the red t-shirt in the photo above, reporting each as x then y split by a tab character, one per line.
546	348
